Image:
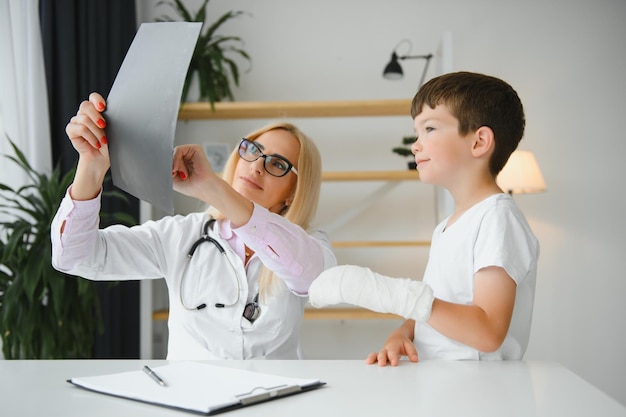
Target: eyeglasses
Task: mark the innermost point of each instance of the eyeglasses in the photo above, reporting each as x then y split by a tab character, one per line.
273	164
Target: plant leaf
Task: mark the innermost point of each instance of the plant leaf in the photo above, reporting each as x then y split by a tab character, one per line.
44	314
213	72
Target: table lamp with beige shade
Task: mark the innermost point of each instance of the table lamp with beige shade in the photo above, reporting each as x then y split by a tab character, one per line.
521	174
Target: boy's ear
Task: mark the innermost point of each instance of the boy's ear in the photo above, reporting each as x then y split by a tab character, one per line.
484	141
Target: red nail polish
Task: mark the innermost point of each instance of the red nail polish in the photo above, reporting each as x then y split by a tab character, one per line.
103	140
182	175
101	123
100	106
98	146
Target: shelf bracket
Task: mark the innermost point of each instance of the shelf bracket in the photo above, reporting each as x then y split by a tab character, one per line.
359	208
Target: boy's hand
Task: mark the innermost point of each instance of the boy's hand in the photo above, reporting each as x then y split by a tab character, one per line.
397	345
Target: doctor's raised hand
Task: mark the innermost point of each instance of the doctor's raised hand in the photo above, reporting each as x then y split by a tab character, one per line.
241	297
86	131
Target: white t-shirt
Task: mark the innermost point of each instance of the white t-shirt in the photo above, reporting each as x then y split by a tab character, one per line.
493	232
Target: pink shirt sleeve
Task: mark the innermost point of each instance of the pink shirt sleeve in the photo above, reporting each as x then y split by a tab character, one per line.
294	254
74	231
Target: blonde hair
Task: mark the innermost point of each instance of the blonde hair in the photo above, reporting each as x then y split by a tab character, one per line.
307	190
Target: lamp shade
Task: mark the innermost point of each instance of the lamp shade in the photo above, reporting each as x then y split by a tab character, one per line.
393	70
521	174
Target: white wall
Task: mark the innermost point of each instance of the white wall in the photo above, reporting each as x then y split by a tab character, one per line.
566	58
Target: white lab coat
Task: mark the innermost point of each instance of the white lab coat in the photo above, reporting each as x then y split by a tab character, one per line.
159	249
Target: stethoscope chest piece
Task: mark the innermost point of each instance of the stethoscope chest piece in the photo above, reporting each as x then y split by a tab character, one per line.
252	310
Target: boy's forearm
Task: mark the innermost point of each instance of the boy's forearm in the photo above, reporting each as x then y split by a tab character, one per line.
483	324
467	324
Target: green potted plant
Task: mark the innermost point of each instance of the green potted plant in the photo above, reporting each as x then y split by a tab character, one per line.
210	62
44	313
405	150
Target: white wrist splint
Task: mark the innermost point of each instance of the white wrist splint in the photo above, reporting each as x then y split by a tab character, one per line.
362	287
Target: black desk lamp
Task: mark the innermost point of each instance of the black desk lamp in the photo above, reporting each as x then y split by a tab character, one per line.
393	70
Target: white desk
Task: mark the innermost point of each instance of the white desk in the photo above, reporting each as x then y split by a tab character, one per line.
354	389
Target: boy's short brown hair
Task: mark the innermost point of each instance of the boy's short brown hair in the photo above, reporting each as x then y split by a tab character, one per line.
478	100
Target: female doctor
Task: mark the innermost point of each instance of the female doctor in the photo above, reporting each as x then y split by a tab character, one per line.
237	275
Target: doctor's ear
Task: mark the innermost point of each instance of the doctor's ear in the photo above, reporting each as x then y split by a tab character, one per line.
286	205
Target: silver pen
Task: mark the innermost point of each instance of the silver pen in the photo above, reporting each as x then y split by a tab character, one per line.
154	376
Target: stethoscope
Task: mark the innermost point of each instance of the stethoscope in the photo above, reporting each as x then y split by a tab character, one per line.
251	310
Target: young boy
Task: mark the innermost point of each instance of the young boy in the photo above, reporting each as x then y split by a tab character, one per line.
476	298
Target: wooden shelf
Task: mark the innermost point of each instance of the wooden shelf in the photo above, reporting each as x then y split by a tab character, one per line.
336	313
347	313
292	109
406	175
378	243
160	315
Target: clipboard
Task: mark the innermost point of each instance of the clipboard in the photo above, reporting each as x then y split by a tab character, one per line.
197	388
